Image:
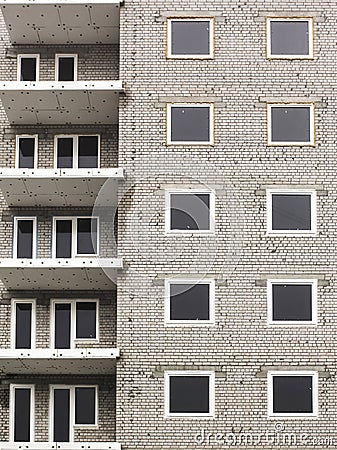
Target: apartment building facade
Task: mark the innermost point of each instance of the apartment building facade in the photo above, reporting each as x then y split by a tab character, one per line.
202	314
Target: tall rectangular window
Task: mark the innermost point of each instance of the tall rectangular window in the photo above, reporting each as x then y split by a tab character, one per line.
86	236
190	124
25	239
73	406
28	67
63	238
23	324
22	413
190	38
73	321
291	124
77	151
26	151
66	67
290	38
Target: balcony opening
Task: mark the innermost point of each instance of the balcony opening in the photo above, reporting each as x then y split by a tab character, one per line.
66	67
26	148
22	426
76	236
62	317
28	66
61	422
77	152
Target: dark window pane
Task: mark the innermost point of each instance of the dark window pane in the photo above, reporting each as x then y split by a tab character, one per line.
292	394
87	152
66	69
190	37
189	302
291	212
292	302
26	153
25	238
62	325
85	406
86	236
64	153
28	69
289	38
290	124
23	325
189	394
190	212
61	415
22	415
63	238
190	124
85	320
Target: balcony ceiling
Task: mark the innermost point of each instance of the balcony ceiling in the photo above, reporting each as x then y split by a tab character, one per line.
59	274
61	22
61	103
64	362
58	187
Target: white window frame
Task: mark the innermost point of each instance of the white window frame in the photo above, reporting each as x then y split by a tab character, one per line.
201	191
192	281
12	389
14	302
272	282
74	253
72	303
309	105
288	373
74	56
75	138
177	373
15	235
23	136
310	21
169	108
169	54
28	55
292	233
72	424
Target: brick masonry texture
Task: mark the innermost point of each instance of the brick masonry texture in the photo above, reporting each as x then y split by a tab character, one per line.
240	343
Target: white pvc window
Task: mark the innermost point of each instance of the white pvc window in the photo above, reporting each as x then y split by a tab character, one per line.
189	211
22	409
75	237
189	302
293	394
26	151
66	67
291	212
74	321
290	38
77	151
28	67
72	407
292	302
25	237
190	38
23	323
189	394
190	124
291	124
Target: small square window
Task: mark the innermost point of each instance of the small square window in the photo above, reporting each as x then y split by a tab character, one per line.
292	394
189	394
290	38
291	124
28	67
189	302
26	151
190	38
190	212
291	212
189	123
292	302
66	67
